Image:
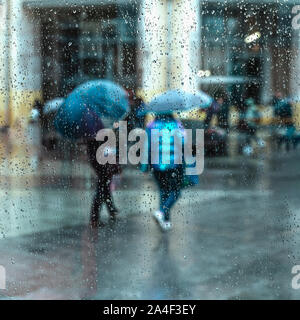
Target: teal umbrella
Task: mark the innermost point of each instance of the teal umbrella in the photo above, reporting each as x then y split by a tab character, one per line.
82	112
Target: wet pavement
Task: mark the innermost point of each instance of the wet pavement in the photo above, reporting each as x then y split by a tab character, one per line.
235	235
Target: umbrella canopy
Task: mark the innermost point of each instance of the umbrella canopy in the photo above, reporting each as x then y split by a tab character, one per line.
105	97
178	100
53	105
81	113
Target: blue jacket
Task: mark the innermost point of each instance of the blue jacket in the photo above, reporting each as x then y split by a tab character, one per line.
174	154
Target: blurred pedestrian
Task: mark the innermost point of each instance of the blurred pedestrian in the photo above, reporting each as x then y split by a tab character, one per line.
105	173
169	177
135	118
253	118
223	113
283	114
287	135
282	109
214	109
89	108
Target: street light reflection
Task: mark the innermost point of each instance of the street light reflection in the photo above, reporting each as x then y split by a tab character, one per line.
253	37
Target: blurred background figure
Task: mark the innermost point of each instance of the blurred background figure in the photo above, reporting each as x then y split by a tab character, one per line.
216	136
135	119
214	109
37	109
282	109
48	112
223	113
285	131
252	119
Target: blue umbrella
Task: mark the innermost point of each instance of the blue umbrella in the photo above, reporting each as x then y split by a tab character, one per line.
177	100
81	113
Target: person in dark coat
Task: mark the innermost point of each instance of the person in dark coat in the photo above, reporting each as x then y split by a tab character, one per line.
105	173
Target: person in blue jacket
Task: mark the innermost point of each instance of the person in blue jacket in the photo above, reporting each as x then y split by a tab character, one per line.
169	177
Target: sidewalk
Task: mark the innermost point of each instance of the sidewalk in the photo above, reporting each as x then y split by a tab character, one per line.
234	237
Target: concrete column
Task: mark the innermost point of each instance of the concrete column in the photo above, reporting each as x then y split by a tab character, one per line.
295	68
295	76
4	55
170	45
22	85
185	45
25	62
153	47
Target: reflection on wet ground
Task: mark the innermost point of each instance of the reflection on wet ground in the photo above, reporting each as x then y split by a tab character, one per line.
235	235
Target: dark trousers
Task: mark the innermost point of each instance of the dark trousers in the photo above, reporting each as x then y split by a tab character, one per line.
170	184
104	177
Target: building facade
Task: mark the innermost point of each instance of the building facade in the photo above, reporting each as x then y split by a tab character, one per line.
50	46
